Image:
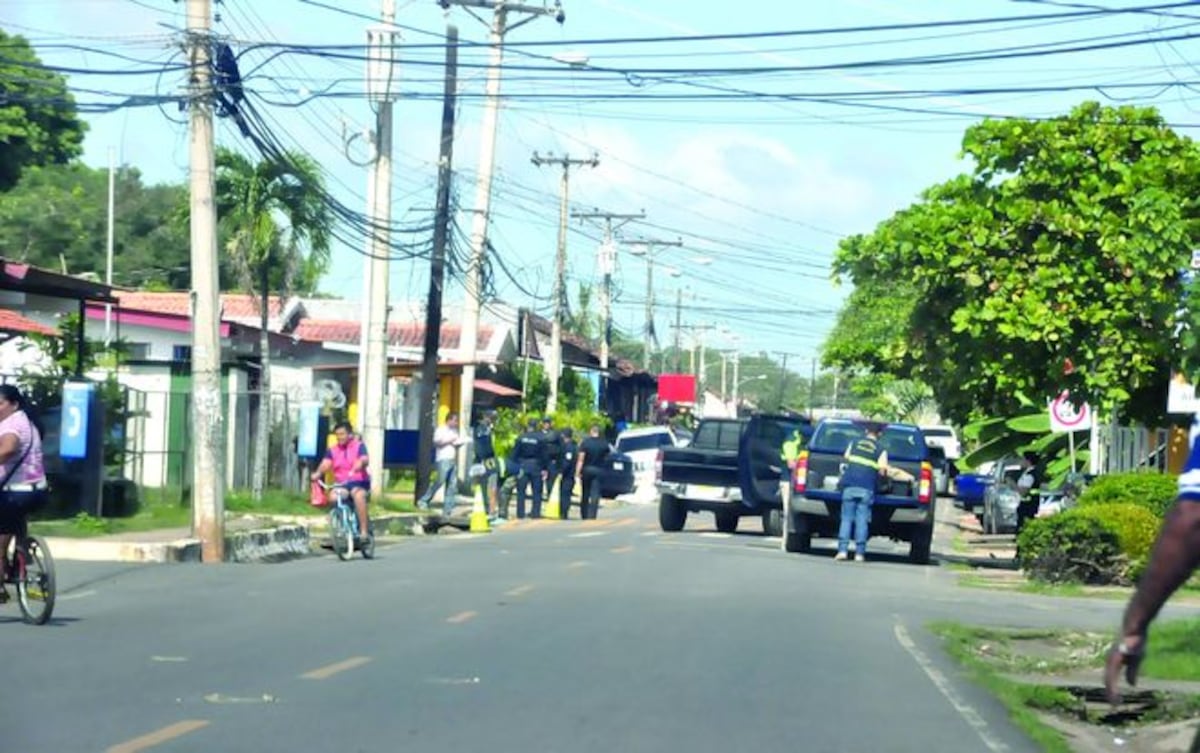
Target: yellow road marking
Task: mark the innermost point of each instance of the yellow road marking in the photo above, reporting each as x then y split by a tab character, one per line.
158	737
322	673
462	617
622	550
519	591
621	522
597	523
577	564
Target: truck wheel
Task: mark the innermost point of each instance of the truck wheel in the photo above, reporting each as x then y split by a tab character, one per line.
797	538
727	522
672	515
921	544
772	522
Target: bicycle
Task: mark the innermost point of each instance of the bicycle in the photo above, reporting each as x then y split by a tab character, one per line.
30	567
343	525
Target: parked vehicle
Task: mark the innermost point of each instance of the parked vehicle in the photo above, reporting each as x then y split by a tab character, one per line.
944	437
642	446
1001	498
941	470
969	489
732	469
903	510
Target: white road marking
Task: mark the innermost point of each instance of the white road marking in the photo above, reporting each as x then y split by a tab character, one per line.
169	659
76	595
711	535
652	533
965	710
587	534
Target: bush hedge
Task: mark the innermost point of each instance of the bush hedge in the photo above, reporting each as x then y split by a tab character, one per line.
1153	491
1135	526
1071	548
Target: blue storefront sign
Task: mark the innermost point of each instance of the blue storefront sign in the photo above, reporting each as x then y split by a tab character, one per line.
76	405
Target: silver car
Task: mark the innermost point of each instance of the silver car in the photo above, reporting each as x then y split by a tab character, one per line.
1001	498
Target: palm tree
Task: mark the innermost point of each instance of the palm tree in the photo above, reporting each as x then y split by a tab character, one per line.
277	224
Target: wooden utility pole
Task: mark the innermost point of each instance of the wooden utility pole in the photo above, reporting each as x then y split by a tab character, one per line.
650	248
554	364
208	460
437	268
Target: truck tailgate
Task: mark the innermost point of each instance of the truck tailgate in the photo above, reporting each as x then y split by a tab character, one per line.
685	465
824	473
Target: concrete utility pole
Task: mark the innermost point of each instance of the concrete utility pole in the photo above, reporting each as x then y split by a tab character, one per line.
372	359
737	363
437	269
208	460
487	164
554	367
607	256
650	251
678	316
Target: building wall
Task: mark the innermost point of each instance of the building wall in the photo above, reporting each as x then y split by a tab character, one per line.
147	464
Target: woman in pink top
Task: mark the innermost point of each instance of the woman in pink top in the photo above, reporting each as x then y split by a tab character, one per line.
348	461
22	469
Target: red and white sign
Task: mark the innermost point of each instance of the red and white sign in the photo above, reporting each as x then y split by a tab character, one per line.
1065	416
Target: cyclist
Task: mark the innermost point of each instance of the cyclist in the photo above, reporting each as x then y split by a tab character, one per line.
22	470
348	461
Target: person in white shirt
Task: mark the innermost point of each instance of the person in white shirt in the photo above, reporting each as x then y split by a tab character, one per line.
446	441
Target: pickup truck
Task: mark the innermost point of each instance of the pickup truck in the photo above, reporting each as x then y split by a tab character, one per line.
903	510
732	469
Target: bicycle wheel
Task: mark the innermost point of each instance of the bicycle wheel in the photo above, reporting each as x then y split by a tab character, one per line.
343	535
35	580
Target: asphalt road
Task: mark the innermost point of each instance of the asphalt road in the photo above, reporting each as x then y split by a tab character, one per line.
546	636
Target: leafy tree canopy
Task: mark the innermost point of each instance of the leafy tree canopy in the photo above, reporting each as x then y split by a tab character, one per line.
1054	264
57	216
38	121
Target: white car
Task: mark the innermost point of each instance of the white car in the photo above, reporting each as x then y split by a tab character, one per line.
642	445
944	437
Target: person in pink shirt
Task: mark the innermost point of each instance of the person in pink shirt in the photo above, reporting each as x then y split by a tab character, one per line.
348	461
22	469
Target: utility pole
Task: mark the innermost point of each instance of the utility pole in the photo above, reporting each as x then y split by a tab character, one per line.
678	316
208	476
737	362
554	367
650	249
607	254
437	269
724	373
783	374
373	361
487	165
812	389
111	241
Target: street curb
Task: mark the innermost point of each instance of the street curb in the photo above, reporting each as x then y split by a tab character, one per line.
268	544
100	550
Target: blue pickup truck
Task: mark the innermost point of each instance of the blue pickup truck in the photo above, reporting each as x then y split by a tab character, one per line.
903	510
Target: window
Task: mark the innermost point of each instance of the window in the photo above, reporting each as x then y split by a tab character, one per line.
181	353
644	442
137	351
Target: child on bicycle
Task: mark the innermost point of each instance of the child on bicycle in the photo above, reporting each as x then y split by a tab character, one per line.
348	461
22	470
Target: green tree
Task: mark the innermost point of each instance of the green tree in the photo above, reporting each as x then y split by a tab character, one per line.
57	217
1054	264
39	124
278	228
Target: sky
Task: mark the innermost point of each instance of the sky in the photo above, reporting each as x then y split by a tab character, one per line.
755	136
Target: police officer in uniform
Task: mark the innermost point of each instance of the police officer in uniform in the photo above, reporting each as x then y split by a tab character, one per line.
566	470
485	455
866	461
553	443
529	455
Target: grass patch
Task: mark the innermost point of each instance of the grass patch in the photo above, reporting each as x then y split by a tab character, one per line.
1174	652
153	514
1022	701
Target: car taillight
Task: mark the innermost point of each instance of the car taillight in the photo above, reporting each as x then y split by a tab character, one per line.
925	487
658	465
800	473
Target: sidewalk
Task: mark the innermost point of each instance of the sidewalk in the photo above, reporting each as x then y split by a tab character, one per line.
248	538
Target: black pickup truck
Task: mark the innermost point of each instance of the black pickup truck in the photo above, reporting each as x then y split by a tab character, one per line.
903	510
732	469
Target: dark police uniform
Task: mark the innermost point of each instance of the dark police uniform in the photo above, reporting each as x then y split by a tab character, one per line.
485	455
552	441
529	454
595	451
570	451
858	493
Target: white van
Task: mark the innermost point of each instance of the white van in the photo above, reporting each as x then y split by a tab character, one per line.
944	437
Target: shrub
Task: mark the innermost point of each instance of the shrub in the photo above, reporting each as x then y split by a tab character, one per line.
1153	491
1070	548
1135	526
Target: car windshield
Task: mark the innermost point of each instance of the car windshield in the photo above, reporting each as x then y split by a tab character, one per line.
900	442
718	435
937	431
640	442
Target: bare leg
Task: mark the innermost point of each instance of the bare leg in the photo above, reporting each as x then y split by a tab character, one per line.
360	506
